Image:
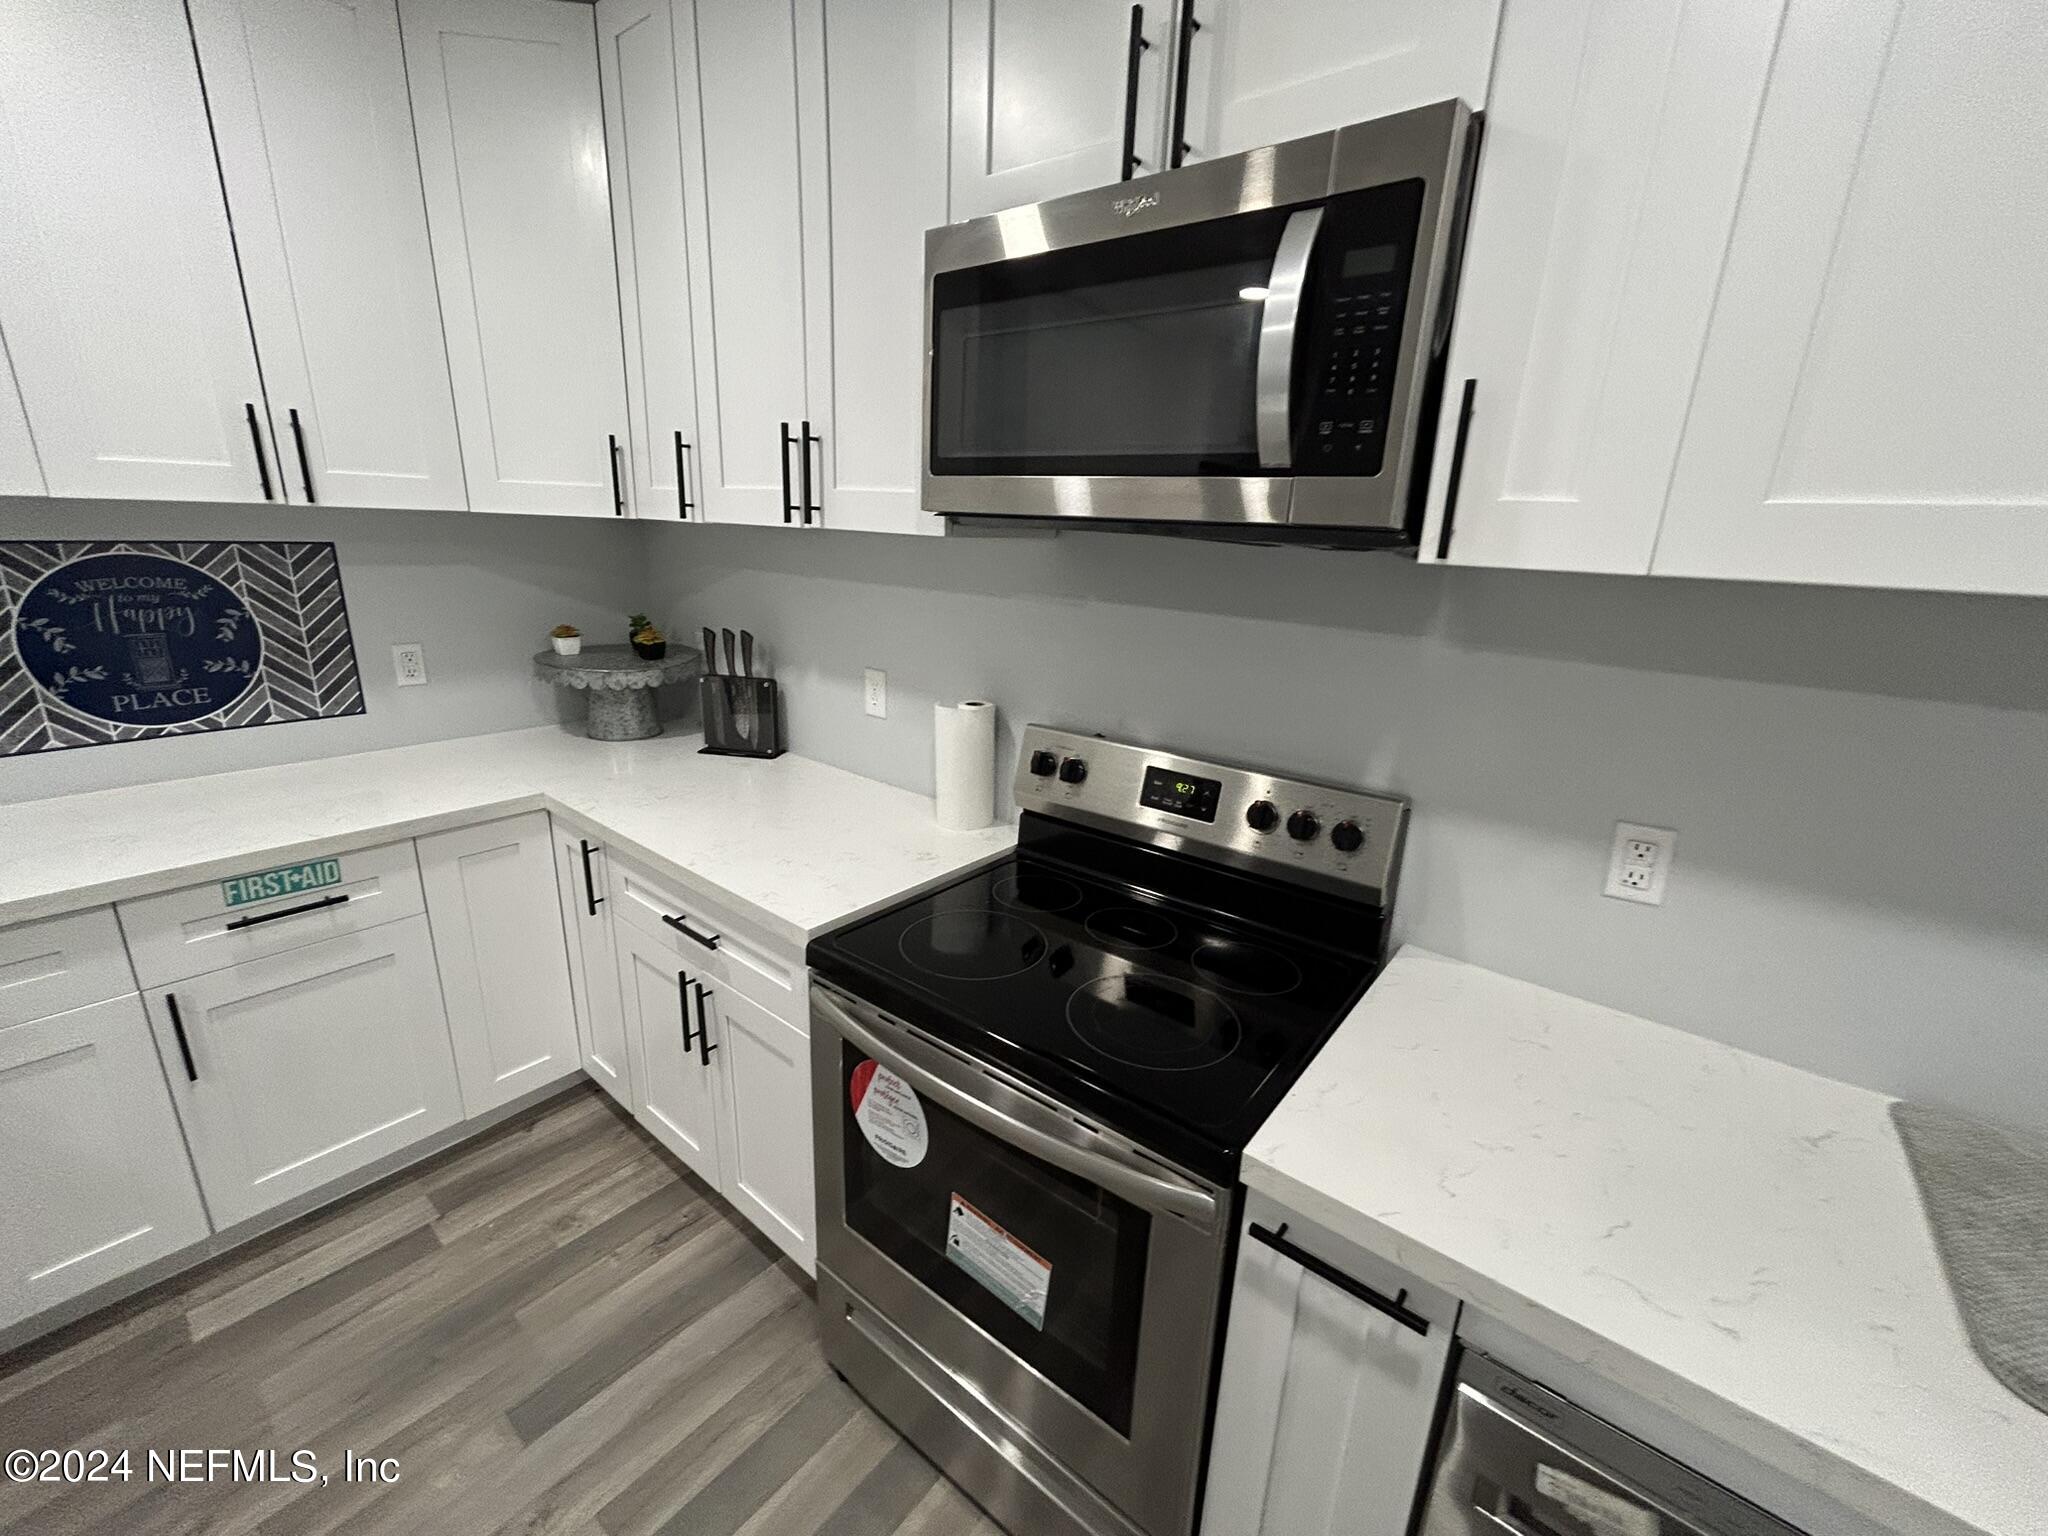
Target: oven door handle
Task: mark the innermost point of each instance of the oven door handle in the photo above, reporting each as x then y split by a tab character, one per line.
1278	325
1140	1188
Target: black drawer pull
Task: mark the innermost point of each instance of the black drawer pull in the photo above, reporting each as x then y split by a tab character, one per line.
618	485
305	464
683	1001
590	895
271	917
1396	1309
685	506
704	1045
256	437
788	501
708	940
178	1029
1134	52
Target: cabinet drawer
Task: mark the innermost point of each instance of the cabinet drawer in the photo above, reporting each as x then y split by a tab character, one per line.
269	909
740	958
59	963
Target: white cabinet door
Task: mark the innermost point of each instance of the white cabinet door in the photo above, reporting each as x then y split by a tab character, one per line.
1263	71
636	60
118	293
497	922
300	1068
1613	153
736	72
21	473
511	142
94	1182
874	182
678	1084
1040	95
314	129
1871	401
1324	1411
767	1138
581	876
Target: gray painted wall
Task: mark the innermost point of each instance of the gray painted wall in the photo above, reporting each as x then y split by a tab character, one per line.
480	592
1859	780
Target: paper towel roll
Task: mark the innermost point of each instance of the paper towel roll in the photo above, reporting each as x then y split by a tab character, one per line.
964	764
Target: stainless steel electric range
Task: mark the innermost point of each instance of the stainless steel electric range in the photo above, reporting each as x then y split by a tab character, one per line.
1031	1091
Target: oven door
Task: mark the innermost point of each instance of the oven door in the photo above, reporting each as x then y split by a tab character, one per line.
1065	1282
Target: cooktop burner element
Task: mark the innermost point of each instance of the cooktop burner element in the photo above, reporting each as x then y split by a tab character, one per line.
972	944
1157	1022
1132	928
1032	892
1251	970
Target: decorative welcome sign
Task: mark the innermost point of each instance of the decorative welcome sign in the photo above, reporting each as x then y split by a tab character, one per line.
124	641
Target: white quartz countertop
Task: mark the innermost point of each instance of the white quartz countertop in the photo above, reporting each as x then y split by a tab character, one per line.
1734	1240
794	844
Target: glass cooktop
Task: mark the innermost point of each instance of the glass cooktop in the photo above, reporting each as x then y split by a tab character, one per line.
1180	1023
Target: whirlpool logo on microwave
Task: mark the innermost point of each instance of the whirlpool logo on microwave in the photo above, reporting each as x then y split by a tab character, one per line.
1130	207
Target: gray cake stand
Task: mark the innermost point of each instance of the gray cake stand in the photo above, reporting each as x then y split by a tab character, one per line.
620	684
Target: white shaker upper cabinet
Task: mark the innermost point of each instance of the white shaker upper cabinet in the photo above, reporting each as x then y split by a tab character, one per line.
316	147
1871	404
21	474
636	61
1044	93
1264	71
874	181
736	69
1615	138
118	293
511	143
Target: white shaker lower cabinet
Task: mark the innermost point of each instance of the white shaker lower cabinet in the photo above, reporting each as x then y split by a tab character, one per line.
497	921
677	1082
505	101
94	1181
1324	1414
1870	406
580	878
294	1070
1615	138
766	1147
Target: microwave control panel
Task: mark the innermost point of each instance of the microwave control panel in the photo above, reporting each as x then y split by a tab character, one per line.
1365	253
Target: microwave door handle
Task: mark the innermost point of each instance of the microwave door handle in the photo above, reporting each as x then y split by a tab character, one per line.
1277	328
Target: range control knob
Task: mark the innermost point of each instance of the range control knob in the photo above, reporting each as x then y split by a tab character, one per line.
1073	771
1346	837
1302	826
1043	763
1262	815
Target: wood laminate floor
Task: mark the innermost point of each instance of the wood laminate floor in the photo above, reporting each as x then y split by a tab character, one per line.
553	1329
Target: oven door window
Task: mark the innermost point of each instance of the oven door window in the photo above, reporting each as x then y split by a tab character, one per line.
1047	1264
1130	356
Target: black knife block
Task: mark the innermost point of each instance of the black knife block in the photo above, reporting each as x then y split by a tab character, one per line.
742	715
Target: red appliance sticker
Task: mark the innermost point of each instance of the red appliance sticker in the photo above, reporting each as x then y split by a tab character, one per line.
888	1112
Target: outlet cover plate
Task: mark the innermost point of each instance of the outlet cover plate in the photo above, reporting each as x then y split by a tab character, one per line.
876	691
1639	864
409	662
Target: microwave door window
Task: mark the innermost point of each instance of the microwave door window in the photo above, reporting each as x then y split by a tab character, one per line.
1135	356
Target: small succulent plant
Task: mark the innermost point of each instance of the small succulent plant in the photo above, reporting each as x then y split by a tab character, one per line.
565	632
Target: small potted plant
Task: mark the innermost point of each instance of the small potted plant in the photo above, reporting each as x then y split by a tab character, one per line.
567	639
649	644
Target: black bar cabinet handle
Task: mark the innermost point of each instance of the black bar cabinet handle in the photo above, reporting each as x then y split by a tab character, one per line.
271	917
618	485
704	1045
1455	476
788	501
708	940
683	1002
810	506
1137	49
178	1029
590	896
1396	1309
685	506
1188	28
305	464
256	437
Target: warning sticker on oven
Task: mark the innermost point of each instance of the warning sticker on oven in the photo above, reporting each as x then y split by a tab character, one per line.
889	1114
1607	1514
1012	1273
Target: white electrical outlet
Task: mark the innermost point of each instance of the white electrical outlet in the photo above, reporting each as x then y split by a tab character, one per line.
1640	863
878	693
409	661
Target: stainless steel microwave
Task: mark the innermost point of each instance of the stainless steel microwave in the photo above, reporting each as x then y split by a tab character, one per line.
1249	347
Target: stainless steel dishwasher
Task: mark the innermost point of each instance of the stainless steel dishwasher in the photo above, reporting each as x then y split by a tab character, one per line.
1518	1460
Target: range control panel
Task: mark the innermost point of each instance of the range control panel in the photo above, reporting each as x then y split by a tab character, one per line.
1340	839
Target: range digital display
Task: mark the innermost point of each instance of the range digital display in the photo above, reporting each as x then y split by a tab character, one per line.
1182	794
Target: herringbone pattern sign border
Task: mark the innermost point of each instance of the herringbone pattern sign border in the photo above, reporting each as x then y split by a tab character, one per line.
293	591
